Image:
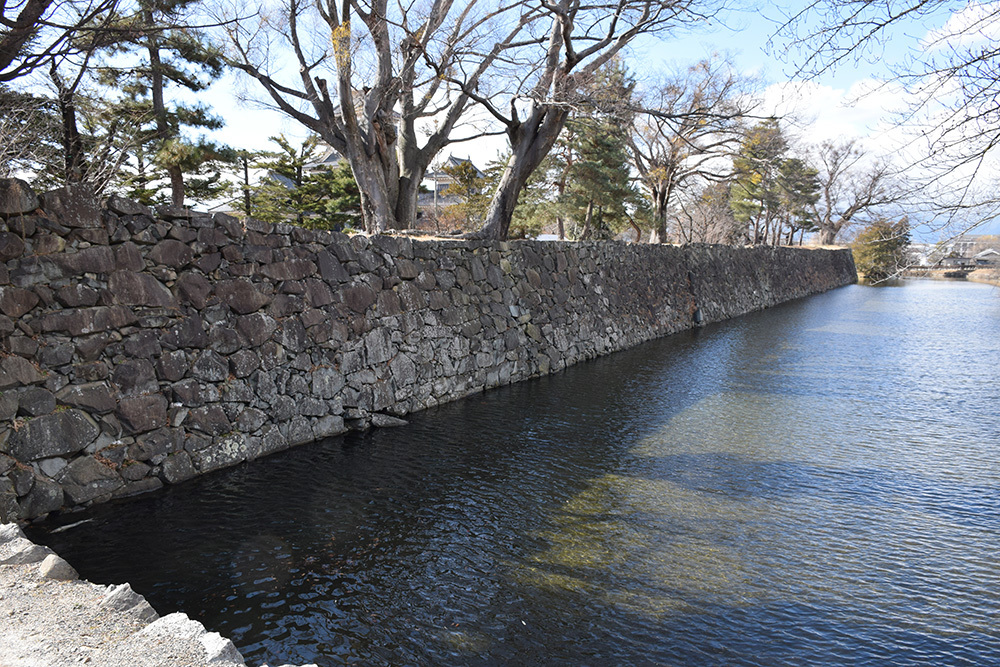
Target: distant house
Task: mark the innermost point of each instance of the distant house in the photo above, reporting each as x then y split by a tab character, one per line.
438	180
988	257
330	159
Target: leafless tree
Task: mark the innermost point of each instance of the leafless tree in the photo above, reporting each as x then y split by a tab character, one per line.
852	186
387	86
579	38
952	83
690	123
705	216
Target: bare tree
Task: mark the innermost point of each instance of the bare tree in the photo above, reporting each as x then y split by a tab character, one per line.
952	83
387	74
705	216
580	38
851	186
690	124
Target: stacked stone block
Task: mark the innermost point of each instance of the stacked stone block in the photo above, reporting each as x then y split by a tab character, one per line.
143	348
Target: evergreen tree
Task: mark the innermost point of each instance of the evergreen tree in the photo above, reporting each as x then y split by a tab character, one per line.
599	193
279	194
879	249
799	191
336	198
756	190
473	187
326	198
170	56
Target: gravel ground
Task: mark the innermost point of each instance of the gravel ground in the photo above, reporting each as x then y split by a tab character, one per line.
49	618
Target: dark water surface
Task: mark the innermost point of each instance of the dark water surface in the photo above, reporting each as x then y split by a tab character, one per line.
817	484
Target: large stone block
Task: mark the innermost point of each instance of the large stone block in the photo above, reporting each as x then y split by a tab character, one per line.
58	434
16	371
135	376
139	414
87	478
82	321
256	328
11	246
194	289
210	419
35	401
76	295
241	295
15	302
73	205
358	297
45	496
16	197
177	468
292	269
210	367
94	397
139	289
96	259
225	452
172	253
123	206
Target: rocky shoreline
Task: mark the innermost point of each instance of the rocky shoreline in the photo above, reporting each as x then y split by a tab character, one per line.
49	617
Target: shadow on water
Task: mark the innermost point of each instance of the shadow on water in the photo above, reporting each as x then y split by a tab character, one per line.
814	484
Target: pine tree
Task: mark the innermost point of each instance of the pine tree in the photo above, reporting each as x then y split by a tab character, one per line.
756	188
170	56
799	191
600	193
326	198
474	189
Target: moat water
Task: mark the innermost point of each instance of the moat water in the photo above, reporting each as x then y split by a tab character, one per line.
816	484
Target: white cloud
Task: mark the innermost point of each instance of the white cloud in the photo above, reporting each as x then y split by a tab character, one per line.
975	23
815	112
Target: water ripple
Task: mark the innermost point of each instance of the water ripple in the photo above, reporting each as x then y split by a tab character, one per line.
811	485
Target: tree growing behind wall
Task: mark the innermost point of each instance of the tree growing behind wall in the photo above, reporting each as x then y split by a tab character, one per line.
708	217
852	187
689	126
385	84
473	188
574	40
600	196
164	54
297	189
879	249
771	192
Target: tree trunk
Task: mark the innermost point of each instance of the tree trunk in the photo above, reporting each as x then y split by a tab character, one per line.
72	143
406	202
638	232
530	142
246	186
587	220
376	208
176	185
827	235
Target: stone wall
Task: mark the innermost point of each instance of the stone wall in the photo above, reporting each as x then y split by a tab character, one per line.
140	350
